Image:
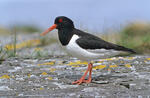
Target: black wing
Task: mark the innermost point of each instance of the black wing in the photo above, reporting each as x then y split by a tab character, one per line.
88	41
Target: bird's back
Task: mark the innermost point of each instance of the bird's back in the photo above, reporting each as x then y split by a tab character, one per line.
89	41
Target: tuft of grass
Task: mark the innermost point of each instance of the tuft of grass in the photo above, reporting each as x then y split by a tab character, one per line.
39	53
136	36
5	52
14	41
2	54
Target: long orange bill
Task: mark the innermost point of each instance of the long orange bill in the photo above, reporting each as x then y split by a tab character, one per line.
49	29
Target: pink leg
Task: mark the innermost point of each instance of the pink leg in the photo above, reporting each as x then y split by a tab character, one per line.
82	79
90	74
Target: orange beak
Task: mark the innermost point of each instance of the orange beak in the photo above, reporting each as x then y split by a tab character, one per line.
49	29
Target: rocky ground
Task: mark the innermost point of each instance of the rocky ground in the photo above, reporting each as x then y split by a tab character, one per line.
117	77
27	75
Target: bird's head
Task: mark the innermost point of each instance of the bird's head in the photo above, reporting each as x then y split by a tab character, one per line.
60	22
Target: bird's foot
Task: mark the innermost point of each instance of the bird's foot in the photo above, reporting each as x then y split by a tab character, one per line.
82	80
79	81
88	81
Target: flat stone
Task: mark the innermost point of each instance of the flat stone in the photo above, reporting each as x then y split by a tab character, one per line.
25	78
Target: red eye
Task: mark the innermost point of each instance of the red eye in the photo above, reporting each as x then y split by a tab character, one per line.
60	20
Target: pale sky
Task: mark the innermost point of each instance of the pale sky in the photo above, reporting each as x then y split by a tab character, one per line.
93	14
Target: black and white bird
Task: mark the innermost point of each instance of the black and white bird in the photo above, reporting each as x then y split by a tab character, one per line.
83	45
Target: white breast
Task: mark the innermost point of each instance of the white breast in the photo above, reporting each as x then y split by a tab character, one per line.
75	50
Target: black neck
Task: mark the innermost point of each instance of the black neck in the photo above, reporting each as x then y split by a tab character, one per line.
65	35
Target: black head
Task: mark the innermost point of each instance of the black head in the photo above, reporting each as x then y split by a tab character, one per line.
63	22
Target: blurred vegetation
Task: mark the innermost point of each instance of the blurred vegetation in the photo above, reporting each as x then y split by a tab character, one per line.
27	28
5	53
4	31
9	50
2	54
20	28
136	36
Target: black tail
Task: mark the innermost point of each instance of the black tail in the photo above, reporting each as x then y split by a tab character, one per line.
121	48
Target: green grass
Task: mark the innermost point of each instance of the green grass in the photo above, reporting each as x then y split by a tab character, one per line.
136	36
2	54
5	53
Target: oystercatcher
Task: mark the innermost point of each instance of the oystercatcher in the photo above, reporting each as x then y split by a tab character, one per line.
83	45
